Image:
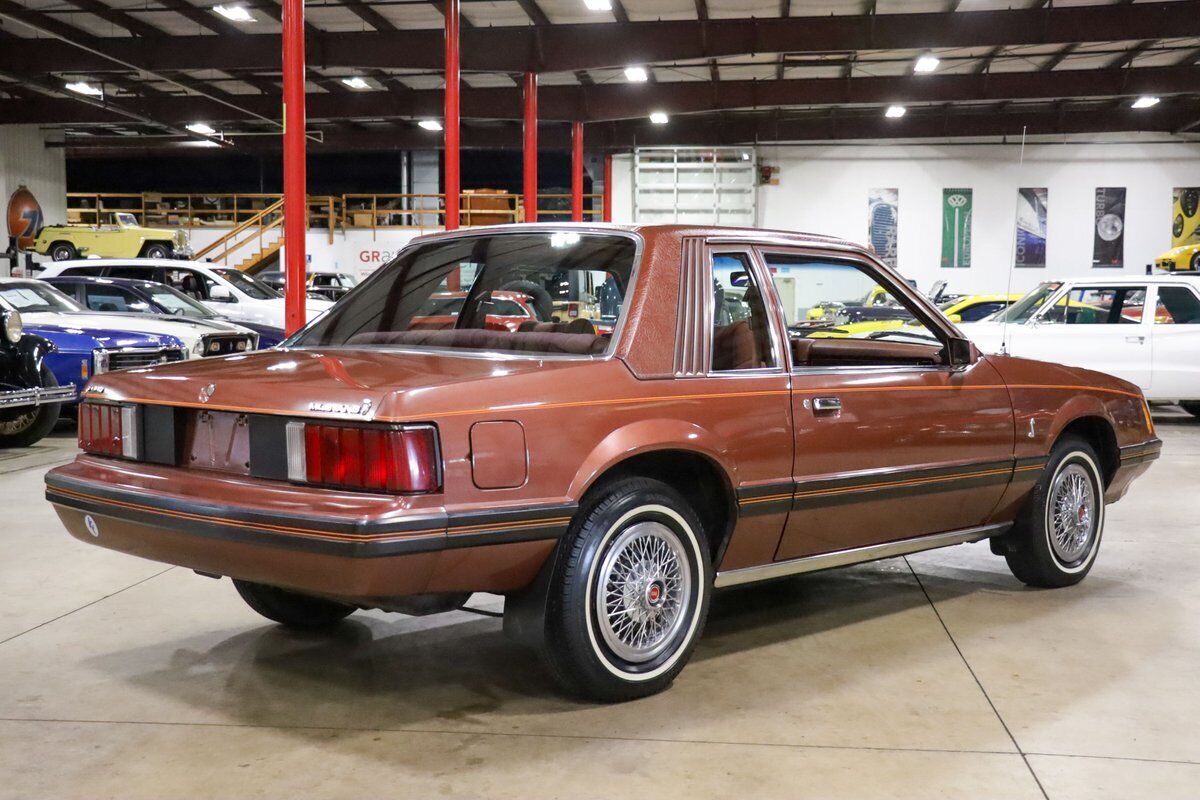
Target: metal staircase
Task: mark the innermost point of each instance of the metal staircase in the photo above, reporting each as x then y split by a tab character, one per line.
254	243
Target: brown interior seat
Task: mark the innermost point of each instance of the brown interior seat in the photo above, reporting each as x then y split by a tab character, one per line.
734	347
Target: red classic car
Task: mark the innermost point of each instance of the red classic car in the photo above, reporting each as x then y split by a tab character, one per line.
605	484
505	311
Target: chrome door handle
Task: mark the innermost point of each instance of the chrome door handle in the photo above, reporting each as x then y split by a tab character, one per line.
826	405
1135	339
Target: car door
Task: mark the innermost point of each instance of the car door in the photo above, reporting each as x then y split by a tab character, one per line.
891	441
1175	335
1105	327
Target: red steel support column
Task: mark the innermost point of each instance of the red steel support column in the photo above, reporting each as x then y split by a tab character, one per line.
295	190
451	121
577	171
530	188
607	215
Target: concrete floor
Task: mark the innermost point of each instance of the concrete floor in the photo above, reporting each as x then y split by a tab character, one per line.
932	676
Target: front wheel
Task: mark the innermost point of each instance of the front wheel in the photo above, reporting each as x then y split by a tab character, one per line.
157	250
63	251
1056	538
291	609
21	427
629	594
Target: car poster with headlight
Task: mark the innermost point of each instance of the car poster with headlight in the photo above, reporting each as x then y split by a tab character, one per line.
956	228
883	213
1030	249
1108	244
1185	222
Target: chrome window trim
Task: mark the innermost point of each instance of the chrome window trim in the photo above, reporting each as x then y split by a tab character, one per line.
614	341
758	270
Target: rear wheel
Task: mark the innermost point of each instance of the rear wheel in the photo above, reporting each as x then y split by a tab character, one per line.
157	250
1056	538
1195	262
629	594
24	427
291	608
63	251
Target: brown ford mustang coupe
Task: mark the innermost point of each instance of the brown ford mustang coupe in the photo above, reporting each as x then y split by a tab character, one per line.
605	483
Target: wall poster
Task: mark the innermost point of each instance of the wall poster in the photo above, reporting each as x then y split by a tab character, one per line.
956	228
1108	244
1030	250
883	211
1185	222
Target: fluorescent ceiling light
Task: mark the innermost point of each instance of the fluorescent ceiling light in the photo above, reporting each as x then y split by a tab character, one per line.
80	87
636	74
895	112
202	128
659	118
598	5
356	83
1146	101
430	124
234	13
926	64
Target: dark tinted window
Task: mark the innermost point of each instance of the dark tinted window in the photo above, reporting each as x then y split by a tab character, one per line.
1177	305
980	310
112	298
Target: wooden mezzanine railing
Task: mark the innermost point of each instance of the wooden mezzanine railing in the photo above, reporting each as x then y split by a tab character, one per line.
379	211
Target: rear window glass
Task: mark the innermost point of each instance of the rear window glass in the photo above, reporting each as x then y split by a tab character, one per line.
462	294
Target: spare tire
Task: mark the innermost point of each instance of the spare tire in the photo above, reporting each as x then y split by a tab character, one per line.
543	304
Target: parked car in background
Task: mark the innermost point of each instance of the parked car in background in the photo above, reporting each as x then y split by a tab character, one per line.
503	311
30	396
39	302
606	484
84	348
226	291
1184	257
127	295
123	238
1145	330
277	281
976	307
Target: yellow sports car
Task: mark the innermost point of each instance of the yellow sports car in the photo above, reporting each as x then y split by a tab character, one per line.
969	308
124	238
1184	257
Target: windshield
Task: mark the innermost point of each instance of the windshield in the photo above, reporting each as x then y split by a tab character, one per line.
251	287
34	298
174	301
1028	305
440	295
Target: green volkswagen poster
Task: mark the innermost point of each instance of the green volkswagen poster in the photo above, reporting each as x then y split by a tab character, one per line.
956	228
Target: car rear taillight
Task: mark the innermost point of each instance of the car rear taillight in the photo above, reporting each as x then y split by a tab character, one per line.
108	429
385	459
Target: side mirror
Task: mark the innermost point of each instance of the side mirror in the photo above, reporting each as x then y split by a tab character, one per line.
220	294
962	352
739	279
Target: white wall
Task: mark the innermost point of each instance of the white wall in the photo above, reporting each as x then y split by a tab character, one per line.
25	159
823	189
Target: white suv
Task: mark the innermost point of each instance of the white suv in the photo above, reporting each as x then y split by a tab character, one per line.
1144	329
227	291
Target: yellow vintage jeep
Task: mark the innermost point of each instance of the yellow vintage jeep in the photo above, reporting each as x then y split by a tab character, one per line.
123	238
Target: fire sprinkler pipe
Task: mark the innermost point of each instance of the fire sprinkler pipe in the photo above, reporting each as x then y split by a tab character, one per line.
577	171
607	213
295	190
530	188
453	188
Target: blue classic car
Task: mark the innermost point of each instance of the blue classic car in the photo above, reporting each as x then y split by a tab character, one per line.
81	350
130	295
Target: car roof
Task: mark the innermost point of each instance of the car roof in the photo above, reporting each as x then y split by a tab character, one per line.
135	283
718	232
135	262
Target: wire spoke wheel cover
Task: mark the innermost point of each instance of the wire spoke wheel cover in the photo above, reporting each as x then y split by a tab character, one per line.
18	424
1073	513
643	591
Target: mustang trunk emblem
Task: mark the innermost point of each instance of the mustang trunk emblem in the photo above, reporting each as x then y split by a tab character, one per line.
361	409
207	392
